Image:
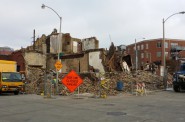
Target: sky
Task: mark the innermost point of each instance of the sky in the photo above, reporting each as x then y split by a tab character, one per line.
118	21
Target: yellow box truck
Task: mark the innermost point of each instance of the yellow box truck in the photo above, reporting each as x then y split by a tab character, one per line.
10	79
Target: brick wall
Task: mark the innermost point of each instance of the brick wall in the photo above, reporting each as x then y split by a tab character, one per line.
151	50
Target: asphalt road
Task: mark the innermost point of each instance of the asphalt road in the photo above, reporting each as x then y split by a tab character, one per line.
163	106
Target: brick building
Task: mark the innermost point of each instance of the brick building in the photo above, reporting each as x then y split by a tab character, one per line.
6	50
150	51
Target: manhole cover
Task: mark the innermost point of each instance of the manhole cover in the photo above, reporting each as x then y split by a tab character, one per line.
150	120
146	105
116	113
78	98
108	104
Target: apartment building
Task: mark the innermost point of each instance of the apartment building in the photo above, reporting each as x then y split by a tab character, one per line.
151	51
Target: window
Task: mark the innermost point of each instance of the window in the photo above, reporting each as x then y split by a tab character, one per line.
128	50
142	47
174	44
138	47
158	44
146	46
11	77
182	67
158	54
142	55
166	54
147	55
166	44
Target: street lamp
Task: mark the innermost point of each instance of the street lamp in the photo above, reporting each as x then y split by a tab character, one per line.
43	7
136	54
163	43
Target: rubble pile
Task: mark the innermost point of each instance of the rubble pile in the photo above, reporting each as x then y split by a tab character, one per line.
152	82
35	88
34	80
97	83
34	73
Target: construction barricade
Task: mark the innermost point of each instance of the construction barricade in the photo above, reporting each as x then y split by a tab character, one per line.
140	89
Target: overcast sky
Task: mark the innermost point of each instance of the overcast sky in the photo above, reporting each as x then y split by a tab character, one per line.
119	21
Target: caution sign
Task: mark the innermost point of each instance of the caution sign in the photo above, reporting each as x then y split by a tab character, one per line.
58	65
72	80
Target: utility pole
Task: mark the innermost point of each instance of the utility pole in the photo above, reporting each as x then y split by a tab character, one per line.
163	49
34	39
59	45
136	55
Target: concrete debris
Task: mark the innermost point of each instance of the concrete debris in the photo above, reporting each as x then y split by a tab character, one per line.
34	80
117	60
99	83
153	82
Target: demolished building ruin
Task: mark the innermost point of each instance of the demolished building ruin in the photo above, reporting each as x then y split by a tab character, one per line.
114	71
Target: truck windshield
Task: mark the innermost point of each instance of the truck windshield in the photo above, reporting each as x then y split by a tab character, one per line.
11	77
182	67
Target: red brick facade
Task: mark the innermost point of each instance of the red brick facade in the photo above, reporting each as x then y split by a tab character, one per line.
18	57
150	51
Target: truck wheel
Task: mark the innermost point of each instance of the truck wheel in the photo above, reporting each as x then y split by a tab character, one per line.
176	88
16	92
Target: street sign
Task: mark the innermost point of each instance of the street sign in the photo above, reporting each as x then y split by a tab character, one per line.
58	65
72	80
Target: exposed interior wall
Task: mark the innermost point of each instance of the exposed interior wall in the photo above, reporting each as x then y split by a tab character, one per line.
95	61
70	44
66	43
84	63
70	64
38	44
51	62
75	48
54	44
90	43
33	58
78	64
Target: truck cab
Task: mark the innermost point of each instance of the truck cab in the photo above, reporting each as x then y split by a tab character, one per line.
10	79
179	79
11	82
